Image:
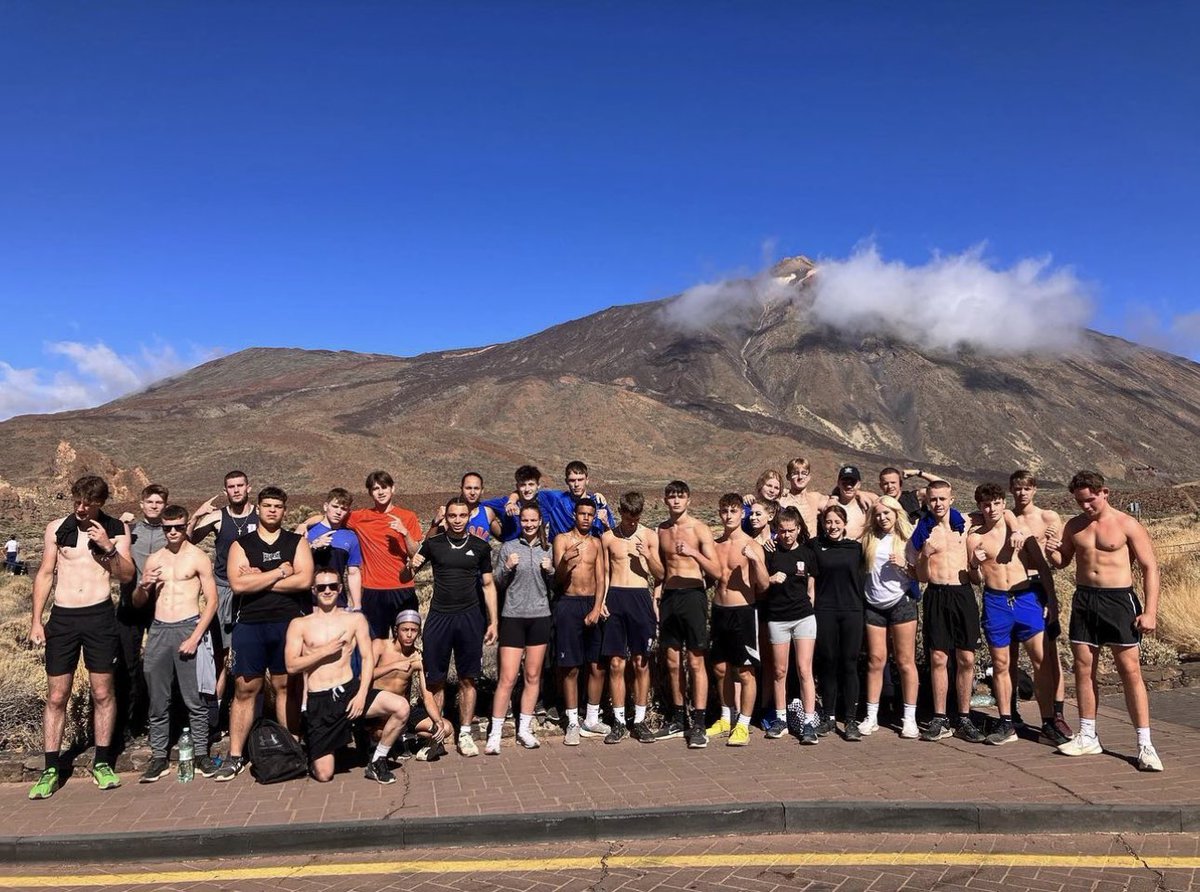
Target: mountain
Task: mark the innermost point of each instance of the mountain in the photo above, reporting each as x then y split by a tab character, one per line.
641	400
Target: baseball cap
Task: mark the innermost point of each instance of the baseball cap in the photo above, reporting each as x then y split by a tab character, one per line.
849	471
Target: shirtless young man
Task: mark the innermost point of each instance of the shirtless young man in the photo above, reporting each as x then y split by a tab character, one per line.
634	569
689	558
800	497
84	552
397	665
951	620
178	645
270	572
742	578
1105	612
1041	524
1012	613
580	570
320	646
855	500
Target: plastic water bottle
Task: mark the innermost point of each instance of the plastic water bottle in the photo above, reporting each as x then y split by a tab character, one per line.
187	757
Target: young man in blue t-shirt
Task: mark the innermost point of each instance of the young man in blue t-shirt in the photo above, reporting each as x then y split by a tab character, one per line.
335	547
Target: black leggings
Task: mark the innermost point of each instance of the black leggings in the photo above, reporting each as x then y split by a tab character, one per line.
839	642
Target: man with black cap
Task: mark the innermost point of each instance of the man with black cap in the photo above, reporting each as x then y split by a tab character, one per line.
855	501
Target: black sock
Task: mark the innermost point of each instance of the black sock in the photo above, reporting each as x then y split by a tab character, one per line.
103	754
52	760
940	715
1047	719
1058	709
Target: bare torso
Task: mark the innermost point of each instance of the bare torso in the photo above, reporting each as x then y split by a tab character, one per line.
320	629
81	578
999	564
856	514
581	553
943	560
628	564
1038	523
1102	555
808	503
399	681
734	586
178	595
680	570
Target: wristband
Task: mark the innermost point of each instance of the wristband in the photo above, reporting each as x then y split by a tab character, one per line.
111	553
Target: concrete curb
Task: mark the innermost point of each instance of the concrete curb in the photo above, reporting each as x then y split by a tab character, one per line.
660	822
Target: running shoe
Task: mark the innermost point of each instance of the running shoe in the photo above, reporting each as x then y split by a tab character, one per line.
528	740
909	730
826	725
808	734
776	729
492	747
571	738
207	766
937	729
1148	760
852	733
696	738
156	768
104	777
719	728
1004	733
670	729
230	769
1063	728
642	733
466	744
739	735
618	733
868	726
594	729
46	786
968	731
1081	746
1053	733
379	772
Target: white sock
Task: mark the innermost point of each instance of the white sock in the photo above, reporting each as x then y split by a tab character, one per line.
593	713
744	721
872	712
910	712
619	715
464	729
572	717
1087	728
726	714
497	728
381	751
526	723
1143	735
781	714
639	713
810	718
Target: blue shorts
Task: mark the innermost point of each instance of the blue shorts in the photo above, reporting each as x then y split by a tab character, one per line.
630	628
1009	615
258	648
460	634
576	642
381	606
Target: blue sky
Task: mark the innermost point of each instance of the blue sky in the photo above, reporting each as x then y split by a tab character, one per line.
190	178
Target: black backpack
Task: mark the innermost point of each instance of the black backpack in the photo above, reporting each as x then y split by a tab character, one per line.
274	753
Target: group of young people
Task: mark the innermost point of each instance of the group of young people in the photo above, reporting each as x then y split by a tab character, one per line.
328	614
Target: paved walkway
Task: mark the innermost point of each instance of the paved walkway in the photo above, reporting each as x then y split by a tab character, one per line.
883	769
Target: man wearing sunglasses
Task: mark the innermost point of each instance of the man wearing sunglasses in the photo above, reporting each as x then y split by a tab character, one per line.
178	646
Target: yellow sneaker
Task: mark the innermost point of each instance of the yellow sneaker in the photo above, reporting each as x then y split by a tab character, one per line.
719	728
739	736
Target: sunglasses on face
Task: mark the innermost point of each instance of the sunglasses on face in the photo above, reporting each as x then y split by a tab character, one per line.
327	586
174	527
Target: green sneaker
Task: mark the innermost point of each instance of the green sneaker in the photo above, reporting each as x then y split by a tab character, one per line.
46	786
104	777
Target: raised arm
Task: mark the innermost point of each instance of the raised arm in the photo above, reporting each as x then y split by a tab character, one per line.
293	650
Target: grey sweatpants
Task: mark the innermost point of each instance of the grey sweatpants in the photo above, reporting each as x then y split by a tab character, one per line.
164	664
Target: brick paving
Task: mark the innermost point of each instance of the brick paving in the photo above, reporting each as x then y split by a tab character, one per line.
632	775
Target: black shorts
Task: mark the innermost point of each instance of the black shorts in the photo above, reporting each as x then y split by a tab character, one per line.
903	611
460	634
1104	617
1053	626
416	715
92	630
525	631
683	619
951	617
734	636
381	606
630	628
575	642
259	648
326	727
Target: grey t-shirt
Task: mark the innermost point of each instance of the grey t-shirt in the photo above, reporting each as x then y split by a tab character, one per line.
526	592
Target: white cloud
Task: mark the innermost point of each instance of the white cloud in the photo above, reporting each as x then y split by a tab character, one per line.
1177	334
95	374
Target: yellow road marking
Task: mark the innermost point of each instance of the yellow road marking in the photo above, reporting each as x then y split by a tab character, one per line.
593	862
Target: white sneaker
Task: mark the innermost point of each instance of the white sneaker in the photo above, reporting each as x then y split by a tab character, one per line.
868	726
528	740
594	729
571	738
1148	759
909	730
1081	746
466	744
492	747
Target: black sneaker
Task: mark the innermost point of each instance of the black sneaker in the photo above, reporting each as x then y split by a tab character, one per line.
808	734
642	733
696	738
776	729
378	771
230	768
617	733
207	766
158	767
670	729
968	731
826	725
852	733
1004	733
1051	732
937	729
